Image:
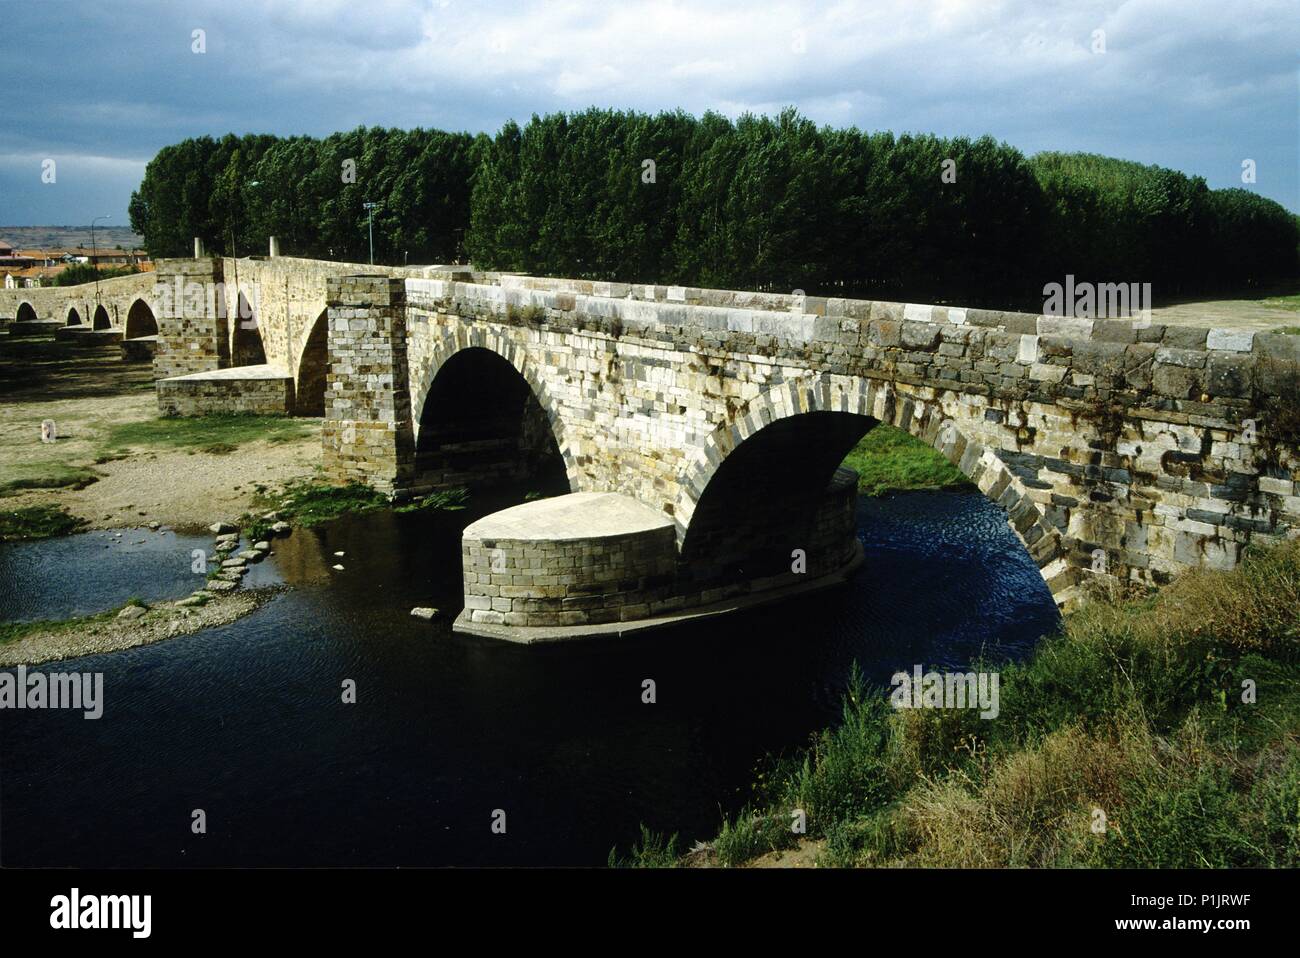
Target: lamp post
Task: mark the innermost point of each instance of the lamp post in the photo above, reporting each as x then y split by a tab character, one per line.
370	215
94	260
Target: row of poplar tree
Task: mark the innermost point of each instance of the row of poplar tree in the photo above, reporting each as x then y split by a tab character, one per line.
773	203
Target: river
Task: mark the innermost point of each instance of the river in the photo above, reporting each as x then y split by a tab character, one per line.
247	721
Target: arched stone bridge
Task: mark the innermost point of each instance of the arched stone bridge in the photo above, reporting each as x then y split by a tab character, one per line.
118	310
697	433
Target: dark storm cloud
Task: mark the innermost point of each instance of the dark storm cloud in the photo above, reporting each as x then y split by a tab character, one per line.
1198	85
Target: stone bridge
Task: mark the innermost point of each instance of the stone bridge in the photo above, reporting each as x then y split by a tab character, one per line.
694	436
118	310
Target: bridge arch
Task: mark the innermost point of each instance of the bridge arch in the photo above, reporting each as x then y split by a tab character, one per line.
26	313
476	345
312	368
140	321
840	410
101	320
74	317
246	348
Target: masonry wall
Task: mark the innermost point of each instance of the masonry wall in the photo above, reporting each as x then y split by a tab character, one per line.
367	435
1120	451
52	303
205	397
193	329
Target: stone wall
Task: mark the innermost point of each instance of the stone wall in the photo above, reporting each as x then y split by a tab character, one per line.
1119	451
193	328
367	433
204	396
53	303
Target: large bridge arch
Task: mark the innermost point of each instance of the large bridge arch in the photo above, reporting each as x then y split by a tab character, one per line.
803	400
478	360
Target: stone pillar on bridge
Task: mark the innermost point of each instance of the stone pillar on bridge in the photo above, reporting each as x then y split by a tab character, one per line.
192	326
367	435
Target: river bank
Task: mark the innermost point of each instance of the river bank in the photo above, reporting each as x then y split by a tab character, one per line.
119	629
1155	732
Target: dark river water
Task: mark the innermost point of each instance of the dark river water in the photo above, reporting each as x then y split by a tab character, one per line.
247	722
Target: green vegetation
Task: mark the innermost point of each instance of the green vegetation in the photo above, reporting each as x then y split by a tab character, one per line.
308	503
759	203
79	273
45	475
214	434
888	459
1291	303
13	631
1176	716
36	522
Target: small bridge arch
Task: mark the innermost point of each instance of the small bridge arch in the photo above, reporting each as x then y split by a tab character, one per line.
101	319
74	317
26	313
140	321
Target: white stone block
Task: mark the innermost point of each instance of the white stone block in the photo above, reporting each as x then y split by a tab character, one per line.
1233	340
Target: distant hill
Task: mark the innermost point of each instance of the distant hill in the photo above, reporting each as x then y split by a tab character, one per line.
59	237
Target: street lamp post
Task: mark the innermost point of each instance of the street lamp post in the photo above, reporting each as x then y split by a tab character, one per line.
94	260
370	215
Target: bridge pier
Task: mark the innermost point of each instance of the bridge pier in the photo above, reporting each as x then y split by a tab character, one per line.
367	435
592	564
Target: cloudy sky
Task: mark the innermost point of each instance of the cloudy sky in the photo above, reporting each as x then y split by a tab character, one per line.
1198	85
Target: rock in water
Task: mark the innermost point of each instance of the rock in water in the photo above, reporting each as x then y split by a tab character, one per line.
132	612
424	612
222	527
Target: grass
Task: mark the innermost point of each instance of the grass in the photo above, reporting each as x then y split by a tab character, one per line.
36	522
1152	732
888	459
217	434
13	631
45	475
1291	302
308	503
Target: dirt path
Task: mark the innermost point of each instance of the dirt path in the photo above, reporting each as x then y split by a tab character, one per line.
87	393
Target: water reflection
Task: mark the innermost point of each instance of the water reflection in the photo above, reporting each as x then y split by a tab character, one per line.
246	721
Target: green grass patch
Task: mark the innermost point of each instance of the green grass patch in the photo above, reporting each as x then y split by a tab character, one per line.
888	459
1175	716
653	851
1291	302
221	434
36	522
308	503
45	475
13	631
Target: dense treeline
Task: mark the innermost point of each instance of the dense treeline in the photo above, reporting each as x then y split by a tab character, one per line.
310	193
760	203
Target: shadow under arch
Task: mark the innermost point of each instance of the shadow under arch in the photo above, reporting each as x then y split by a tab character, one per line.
835	412
312	368
140	321
447	345
101	320
481	424
74	317
246	347
26	313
